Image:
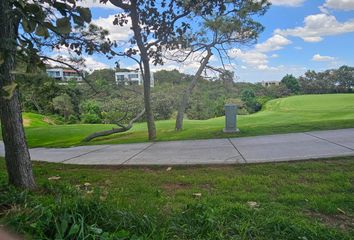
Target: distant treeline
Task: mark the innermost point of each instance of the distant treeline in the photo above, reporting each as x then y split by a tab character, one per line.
108	102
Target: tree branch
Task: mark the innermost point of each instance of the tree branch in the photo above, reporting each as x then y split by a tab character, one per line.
122	128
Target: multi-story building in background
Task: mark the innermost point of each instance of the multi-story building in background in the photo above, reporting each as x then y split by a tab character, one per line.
64	74
132	78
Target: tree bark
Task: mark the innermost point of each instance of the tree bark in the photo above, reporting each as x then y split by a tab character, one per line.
17	157
146	73
187	93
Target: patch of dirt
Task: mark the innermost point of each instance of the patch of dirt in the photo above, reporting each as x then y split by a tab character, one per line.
7	235
341	221
48	120
172	187
26	122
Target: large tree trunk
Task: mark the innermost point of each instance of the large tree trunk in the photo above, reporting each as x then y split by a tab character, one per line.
187	93
146	71
17	157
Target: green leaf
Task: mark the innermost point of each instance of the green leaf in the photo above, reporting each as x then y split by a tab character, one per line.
78	20
64	25
28	26
2	58
75	228
10	90
42	31
85	13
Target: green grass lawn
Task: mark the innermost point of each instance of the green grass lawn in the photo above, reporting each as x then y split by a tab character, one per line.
299	200
36	120
292	114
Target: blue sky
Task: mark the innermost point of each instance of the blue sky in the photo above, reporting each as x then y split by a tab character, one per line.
299	35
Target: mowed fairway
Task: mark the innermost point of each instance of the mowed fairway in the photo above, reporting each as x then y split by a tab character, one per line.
291	114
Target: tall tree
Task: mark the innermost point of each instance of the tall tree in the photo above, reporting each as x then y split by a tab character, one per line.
229	24
158	27
27	28
16	153
291	83
155	27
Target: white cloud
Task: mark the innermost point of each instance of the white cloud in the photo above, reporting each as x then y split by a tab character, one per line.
257	57
95	4
276	42
91	64
87	63
345	5
317	26
251	57
290	3
320	58
116	32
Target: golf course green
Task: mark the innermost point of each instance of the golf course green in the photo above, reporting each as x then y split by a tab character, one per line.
291	114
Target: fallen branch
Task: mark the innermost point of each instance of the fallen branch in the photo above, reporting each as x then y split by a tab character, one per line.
122	128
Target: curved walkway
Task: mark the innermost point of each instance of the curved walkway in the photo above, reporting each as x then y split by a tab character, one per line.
270	148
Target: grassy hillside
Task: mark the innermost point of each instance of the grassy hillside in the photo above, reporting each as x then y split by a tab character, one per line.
36	120
292	114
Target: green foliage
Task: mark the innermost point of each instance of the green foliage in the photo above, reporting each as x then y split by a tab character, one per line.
64	105
53	24
37	92
277	91
91	106
91	118
249	98
329	81
164	76
247	95
291	83
163	105
123	109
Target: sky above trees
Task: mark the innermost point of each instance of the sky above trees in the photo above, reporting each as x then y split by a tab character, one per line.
299	35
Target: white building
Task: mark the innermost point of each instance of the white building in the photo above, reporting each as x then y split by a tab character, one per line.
64	74
132	78
270	83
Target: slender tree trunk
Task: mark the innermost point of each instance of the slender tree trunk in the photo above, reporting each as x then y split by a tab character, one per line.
146	73
18	162
147	101
187	93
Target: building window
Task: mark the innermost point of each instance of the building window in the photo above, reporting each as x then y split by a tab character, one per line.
120	77
133	76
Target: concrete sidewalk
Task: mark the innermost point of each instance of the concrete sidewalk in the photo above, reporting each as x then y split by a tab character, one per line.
270	148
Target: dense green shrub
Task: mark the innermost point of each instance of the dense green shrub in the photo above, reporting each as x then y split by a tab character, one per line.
63	105
91	118
91	106
163	105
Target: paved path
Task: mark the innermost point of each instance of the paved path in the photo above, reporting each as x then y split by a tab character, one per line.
271	148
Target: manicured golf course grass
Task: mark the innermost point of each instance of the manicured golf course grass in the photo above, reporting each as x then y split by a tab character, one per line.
300	200
291	114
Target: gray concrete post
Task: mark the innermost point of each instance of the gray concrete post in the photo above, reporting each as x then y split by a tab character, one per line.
231	119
